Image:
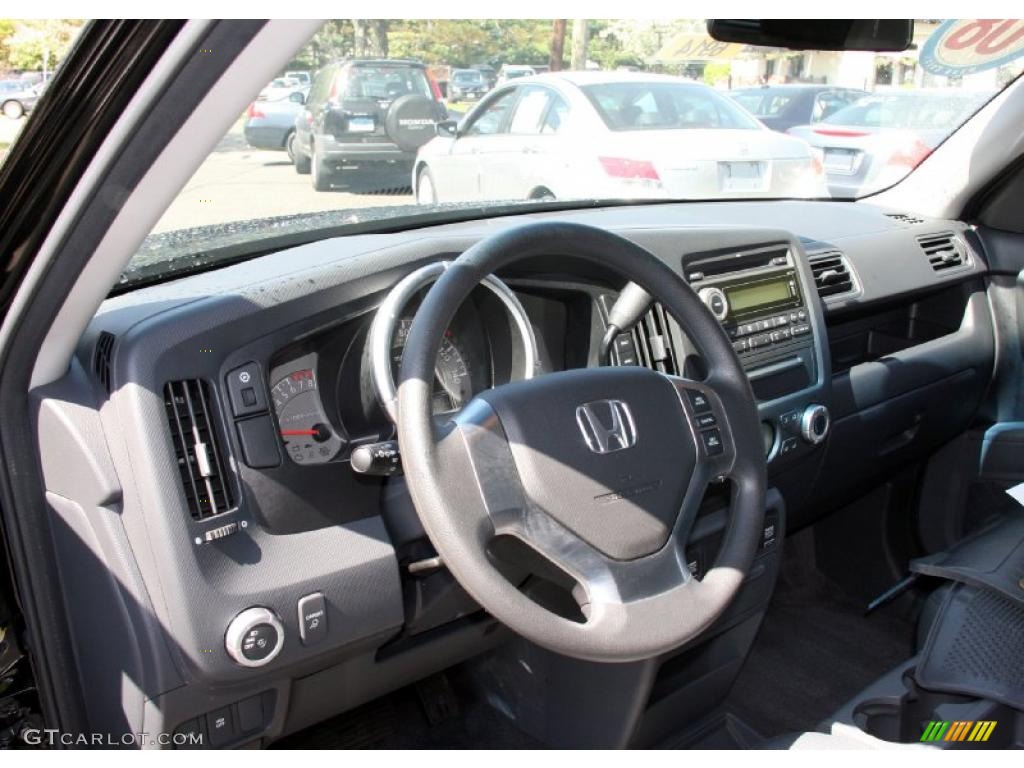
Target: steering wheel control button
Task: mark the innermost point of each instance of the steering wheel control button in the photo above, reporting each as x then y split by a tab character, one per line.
706	420
814	424
254	637
699	401
312	618
246	391
712	440
377	458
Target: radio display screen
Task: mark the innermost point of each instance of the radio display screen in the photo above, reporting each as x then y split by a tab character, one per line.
744	297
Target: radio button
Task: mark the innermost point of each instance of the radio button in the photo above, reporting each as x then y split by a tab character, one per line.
741	346
715	300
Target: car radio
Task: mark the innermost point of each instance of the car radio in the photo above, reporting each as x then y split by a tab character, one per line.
758	298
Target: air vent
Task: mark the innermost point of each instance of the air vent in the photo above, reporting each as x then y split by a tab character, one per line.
197	448
654	341
905	218
101	358
832	274
943	250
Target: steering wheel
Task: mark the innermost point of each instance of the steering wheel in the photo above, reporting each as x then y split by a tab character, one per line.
601	470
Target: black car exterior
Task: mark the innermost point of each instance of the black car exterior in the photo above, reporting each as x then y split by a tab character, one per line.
364	119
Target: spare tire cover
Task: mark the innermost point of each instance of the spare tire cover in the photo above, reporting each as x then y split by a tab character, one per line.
411	121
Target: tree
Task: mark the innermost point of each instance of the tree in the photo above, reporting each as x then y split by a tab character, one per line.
370	37
580	36
28	44
555	61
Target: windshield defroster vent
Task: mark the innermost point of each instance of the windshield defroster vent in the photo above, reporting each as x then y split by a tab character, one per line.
943	250
905	218
197	448
654	341
832	274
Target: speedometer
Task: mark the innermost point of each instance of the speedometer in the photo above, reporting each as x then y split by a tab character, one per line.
304	428
453	385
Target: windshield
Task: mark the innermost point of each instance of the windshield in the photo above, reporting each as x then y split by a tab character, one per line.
386	136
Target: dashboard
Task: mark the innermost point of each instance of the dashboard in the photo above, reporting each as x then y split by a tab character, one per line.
866	335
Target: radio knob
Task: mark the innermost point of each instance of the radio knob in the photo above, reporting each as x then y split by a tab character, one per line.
715	300
814	423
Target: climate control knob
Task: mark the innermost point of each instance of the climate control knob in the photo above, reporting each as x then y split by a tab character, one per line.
715	300
814	423
254	637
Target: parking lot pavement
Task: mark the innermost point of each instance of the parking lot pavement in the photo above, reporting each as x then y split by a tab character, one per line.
9	130
236	183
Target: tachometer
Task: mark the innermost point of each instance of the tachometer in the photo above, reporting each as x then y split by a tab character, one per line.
453	386
305	430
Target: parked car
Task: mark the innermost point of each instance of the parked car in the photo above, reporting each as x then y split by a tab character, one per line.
780	107
611	134
17	97
302	76
279	88
490	73
366	116
874	142
271	124
467	84
514	72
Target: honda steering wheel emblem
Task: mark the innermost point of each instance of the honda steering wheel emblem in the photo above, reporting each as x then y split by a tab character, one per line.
607	425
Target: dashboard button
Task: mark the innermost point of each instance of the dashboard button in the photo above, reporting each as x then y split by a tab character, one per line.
741	345
312	618
259	442
245	389
220	727
250	714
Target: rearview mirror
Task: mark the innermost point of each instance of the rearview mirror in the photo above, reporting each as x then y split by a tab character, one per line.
297	97
448	128
817	34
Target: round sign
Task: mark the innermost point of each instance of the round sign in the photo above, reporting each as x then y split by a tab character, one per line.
965	46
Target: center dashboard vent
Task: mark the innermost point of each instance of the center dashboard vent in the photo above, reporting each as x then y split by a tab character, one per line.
832	274
653	341
197	448
944	251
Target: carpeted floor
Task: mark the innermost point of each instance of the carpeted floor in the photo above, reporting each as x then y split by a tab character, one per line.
815	651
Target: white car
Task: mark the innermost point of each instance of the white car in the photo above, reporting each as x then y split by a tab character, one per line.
600	135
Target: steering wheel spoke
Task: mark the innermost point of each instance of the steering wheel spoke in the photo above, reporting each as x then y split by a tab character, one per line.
599	471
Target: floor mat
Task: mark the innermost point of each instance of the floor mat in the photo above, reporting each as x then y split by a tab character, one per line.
816	650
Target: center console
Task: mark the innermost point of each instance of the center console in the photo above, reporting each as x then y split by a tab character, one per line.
763	298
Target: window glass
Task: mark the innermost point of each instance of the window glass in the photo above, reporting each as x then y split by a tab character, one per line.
491	119
531	107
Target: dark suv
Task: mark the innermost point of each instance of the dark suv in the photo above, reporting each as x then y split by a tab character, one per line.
366	117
